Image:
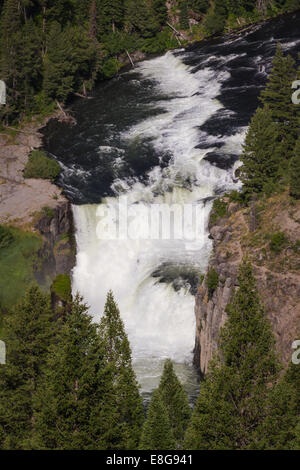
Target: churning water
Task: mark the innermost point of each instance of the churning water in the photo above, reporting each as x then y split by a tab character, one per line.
168	132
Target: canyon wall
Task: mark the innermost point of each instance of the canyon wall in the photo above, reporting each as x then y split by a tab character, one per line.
58	253
249	232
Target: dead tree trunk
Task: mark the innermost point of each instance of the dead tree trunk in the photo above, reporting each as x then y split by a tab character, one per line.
130	58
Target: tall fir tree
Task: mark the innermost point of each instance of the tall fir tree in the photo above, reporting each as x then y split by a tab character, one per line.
74	405
294	170
160	11
157	432
69	61
125	387
140	18
260	153
175	401
233	398
28	335
277	430
112	15
10	60
277	96
296	442
184	15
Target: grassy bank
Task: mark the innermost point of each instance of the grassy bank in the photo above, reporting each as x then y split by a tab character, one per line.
18	259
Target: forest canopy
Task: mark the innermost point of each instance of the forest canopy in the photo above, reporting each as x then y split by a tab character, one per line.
51	50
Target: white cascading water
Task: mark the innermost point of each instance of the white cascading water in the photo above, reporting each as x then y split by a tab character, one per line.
160	321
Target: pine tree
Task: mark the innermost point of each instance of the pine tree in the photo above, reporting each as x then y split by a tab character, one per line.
69	61
112	15
175	401
160	11
200	6
125	387
296	442
140	18
233	398
157	433
28	334
184	15
292	377
31	64
261	154
10	67
277	431
61	11
277	96
93	30
295	172
74	405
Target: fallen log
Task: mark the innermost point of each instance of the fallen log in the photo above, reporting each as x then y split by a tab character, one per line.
178	33
83	96
65	117
130	58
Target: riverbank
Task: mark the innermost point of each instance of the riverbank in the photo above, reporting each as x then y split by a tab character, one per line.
36	215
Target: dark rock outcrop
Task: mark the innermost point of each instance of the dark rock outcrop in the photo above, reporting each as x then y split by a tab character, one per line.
59	250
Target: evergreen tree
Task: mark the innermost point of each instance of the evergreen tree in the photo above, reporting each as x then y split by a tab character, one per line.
277	431
160	11
295	172
216	20
125	388
296	442
61	11
233	398
112	15
175	401
74	405
31	64
140	18
292	377
10	67
93	30
261	154
69	61
200	6
28	334
157	433
277	96
184	15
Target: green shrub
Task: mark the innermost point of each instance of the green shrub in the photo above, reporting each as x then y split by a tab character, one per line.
215	23
41	166
159	43
219	210
278	242
6	237
110	67
296	247
62	287
48	212
236	196
212	281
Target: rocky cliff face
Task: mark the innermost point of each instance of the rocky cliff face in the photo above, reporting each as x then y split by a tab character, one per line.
58	252
254	233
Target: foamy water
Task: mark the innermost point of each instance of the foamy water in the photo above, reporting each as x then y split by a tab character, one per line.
159	320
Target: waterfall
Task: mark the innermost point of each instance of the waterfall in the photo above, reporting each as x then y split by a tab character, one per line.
167	134
142	272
